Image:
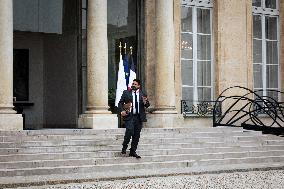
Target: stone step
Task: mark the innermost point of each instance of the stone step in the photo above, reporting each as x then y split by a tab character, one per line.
121	131
135	166
141	146
150	152
80	151
91	148
84	142
125	159
59	138
244	160
92	168
145	140
56	180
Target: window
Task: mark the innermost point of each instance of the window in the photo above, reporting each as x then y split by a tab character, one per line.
266	46
196	50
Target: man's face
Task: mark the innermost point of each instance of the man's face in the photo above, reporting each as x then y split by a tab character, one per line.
136	85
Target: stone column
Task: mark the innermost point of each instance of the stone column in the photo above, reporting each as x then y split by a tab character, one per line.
165	114
9	120
97	115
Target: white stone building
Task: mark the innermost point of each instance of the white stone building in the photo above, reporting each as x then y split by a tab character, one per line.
59	58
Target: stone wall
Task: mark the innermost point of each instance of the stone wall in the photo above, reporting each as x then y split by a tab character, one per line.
60	81
34	115
232	23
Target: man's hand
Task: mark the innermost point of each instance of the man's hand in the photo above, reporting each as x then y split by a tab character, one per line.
123	113
145	99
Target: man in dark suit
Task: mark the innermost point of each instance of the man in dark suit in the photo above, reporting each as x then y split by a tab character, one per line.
132	108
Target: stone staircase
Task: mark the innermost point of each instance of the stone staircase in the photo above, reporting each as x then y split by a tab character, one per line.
63	156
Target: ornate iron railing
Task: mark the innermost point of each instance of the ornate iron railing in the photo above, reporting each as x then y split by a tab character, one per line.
249	108
202	108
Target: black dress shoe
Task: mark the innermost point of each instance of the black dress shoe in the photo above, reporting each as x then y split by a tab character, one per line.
123	151
134	155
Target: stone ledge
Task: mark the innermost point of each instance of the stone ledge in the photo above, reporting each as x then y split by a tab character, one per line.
42	180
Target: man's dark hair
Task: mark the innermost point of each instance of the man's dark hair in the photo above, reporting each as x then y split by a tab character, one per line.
138	81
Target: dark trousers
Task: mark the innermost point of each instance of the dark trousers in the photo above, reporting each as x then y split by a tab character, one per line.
133	129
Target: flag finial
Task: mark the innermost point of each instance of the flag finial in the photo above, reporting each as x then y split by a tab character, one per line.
124	48
120	47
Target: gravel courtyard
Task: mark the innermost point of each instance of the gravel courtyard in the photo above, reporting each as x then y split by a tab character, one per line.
273	179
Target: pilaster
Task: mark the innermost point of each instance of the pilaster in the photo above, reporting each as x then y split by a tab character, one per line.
233	47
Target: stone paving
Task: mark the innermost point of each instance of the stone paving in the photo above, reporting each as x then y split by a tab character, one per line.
273	179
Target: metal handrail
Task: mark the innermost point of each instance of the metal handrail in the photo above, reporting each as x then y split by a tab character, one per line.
249	108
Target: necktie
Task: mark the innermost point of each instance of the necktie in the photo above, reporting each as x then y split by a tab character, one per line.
136	102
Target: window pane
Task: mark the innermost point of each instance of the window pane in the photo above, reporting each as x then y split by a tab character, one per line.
272	76
257	51
204	73
273	94
271	27
259	93
204	94
187	93
84	19
186	19
258	97
187	72
204	47
257	75
186	46
257	32
271	52
203	21
270	4
84	4
256	3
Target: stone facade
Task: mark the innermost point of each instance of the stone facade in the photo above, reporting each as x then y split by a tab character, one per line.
232	39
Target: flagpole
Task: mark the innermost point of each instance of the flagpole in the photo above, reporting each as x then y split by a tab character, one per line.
120	46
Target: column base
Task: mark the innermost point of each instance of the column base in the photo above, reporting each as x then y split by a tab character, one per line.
11	122
166	120
98	121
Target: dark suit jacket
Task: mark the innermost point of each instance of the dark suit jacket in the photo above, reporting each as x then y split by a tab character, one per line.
125	97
